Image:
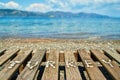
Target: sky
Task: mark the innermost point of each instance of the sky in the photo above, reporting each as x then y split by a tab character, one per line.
105	7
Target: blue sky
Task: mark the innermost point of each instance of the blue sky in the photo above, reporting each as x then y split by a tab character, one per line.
106	7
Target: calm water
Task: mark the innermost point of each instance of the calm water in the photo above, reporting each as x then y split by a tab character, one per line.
74	28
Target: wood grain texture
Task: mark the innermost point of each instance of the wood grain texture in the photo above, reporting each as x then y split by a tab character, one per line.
93	72
113	54
72	73
7	73
51	73
29	74
8	54
113	71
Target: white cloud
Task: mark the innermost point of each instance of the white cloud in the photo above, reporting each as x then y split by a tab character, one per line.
38	7
59	4
2	4
90	6
11	5
53	1
79	2
93	1
106	1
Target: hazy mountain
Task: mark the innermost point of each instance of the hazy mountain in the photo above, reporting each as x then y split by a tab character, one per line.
51	14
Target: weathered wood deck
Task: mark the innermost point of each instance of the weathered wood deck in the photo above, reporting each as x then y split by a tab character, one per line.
30	64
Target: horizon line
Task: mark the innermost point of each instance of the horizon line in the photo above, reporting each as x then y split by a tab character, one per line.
61	11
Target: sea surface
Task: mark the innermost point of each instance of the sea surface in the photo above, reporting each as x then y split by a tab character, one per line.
65	28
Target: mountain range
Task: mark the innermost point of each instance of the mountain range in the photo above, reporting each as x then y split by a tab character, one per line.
51	14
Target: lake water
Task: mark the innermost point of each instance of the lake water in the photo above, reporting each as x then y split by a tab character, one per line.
70	28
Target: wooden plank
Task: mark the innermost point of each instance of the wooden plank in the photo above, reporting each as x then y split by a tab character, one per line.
72	71
8	55
8	72
51	71
29	73
113	54
111	67
93	71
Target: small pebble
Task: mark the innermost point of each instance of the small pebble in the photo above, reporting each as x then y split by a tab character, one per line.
17	62
10	67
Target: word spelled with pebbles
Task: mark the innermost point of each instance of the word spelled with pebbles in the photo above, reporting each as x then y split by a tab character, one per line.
73	64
